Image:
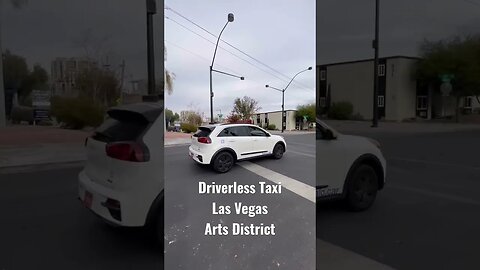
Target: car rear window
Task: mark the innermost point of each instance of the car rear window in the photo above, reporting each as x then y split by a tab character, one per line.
122	127
203	131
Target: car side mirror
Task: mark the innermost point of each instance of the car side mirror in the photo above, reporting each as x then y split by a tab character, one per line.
328	135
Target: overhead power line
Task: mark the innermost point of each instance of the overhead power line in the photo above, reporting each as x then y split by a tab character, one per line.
261	85
236	48
230	52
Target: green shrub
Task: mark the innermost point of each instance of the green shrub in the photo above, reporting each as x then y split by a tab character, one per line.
188	128
341	110
77	113
357	117
271	127
21	113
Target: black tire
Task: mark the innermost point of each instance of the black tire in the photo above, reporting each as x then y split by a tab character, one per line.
362	187
278	151
223	162
159	229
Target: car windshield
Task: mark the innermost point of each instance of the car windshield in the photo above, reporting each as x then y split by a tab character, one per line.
204	131
322	125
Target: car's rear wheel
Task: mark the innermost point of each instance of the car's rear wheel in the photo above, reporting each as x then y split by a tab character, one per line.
223	162
362	188
278	151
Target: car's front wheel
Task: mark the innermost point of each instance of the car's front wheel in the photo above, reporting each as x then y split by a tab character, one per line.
223	162
278	151
362	188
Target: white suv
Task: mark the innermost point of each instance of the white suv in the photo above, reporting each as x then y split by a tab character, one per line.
222	145
348	167
122	181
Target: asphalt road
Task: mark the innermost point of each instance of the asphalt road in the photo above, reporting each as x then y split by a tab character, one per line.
427	217
187	213
44	226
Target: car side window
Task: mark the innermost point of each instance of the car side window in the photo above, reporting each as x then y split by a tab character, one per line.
257	132
226	132
242	131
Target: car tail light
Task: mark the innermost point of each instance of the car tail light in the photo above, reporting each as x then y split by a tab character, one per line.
204	140
128	151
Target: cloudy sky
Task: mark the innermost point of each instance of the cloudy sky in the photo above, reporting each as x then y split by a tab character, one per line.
345	28
43	30
278	33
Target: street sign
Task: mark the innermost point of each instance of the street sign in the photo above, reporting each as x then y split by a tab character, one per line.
446	89
40	114
40	98
446	78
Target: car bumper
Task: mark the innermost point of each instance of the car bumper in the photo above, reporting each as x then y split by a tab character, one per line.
201	158
126	215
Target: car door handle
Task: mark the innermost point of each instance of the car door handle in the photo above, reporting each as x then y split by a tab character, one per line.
231	141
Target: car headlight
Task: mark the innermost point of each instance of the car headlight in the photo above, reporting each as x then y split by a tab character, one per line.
376	143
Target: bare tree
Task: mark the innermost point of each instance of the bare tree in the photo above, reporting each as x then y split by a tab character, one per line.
245	107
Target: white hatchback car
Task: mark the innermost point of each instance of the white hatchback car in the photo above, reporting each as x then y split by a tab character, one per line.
122	181
222	145
348	167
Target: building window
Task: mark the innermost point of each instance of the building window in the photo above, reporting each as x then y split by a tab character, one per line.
422	102
381	101
381	70
323	75
322	102
467	102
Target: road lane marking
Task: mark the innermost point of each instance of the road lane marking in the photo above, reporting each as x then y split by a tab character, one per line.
303	144
295	186
300	153
433	163
441	195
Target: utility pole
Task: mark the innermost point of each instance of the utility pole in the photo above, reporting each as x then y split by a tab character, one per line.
151	9
375	72
284	116
121	81
3	113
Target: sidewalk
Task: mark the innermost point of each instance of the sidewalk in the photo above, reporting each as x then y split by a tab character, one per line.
399	128
177	138
292	132
39	145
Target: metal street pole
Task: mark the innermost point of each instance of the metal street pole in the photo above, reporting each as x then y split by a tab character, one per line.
151	9
211	97
230	18
375	78
3	116
283	110
284	118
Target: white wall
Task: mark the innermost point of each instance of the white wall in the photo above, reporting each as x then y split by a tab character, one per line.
353	82
401	94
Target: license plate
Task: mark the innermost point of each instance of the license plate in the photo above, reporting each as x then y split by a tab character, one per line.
87	200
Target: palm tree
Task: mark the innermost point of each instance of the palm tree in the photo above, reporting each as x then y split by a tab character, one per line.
169	76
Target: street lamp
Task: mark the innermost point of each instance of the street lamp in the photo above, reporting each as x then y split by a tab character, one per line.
284	118
229	19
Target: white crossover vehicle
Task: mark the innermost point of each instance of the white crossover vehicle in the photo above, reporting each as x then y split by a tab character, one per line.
348	167
122	181
222	145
